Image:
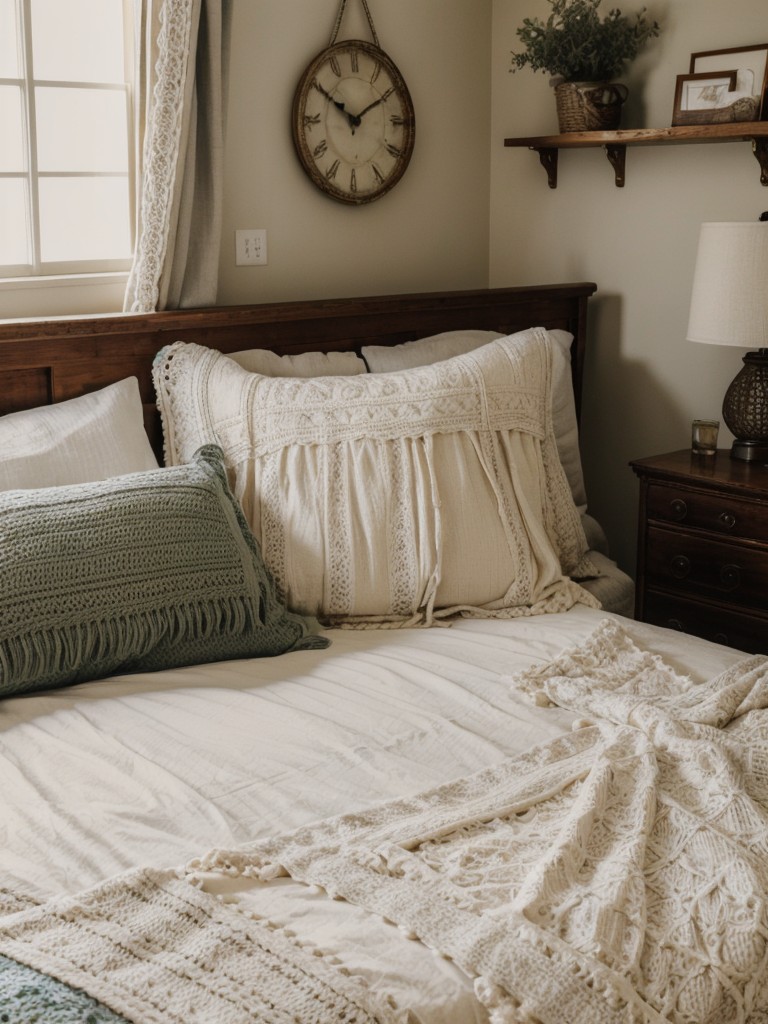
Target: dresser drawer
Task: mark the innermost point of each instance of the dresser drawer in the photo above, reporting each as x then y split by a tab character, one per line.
721	625
701	510
700	566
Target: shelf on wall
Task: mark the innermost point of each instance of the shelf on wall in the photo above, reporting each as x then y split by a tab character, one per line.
615	143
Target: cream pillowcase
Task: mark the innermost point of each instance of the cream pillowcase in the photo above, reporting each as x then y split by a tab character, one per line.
423	351
392	498
305	364
93	437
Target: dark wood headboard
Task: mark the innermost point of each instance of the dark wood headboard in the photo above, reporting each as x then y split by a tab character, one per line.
46	361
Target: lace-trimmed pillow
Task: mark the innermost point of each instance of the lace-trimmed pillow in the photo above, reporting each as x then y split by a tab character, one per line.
141	572
392	498
422	351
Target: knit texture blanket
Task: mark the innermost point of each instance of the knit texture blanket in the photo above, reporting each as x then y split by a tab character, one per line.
616	875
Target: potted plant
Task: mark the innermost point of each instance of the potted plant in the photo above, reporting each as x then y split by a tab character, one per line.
583	54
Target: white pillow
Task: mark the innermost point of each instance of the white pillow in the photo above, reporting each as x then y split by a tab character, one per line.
305	364
423	351
392	498
93	437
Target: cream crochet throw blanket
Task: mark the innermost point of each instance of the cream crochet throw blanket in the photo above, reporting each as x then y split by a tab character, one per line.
616	875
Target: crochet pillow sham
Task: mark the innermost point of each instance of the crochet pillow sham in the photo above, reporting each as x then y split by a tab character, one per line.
392	498
422	351
91	437
141	572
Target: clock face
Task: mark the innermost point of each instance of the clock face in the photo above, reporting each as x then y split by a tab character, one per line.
353	122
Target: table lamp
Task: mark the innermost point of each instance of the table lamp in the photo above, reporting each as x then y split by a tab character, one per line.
729	306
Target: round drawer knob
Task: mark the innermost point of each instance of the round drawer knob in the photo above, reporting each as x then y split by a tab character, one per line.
721	638
730	576
675	624
680	566
678	508
727	519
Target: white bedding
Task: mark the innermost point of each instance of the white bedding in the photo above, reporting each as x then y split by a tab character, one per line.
156	769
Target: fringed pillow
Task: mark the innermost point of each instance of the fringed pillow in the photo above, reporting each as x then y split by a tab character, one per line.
393	498
142	572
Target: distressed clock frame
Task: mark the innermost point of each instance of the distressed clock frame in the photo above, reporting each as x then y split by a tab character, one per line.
308	152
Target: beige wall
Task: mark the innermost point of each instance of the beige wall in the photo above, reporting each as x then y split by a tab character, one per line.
644	381
431	231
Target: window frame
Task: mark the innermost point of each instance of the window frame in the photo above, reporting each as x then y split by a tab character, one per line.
31	176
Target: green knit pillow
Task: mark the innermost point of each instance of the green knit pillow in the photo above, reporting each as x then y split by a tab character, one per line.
136	573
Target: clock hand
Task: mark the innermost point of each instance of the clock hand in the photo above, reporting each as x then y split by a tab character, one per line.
351	118
370	106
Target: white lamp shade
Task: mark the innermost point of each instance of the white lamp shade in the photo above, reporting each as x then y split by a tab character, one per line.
729	299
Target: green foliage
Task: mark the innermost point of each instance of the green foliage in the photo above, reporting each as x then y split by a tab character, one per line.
574	44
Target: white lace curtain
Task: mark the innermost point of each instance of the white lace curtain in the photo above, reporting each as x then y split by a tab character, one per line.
181	61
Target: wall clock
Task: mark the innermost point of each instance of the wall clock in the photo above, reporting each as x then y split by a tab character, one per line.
353	120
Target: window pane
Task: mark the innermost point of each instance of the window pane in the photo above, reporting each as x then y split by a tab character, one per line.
12	148
78	40
9	55
81	130
84	219
14	237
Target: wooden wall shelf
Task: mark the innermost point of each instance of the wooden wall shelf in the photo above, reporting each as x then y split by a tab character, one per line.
615	143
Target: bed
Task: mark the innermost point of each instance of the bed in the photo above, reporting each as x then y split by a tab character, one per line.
400	756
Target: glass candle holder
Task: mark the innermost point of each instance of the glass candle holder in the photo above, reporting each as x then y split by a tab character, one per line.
704	436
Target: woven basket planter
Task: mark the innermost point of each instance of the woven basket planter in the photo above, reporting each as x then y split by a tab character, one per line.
589	106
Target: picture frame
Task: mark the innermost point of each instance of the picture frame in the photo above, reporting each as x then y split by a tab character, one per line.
699	96
752	59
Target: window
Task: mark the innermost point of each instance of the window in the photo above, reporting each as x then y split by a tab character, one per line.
65	177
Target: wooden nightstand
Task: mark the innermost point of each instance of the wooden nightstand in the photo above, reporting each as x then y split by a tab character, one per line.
702	550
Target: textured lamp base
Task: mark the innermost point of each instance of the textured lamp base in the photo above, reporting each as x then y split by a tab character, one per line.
745	408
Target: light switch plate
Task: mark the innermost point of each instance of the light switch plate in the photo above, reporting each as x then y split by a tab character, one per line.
251	247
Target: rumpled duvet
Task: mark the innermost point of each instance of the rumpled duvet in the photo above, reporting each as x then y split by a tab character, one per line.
615	874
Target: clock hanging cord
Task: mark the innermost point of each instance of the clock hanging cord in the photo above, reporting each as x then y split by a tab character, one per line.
340	15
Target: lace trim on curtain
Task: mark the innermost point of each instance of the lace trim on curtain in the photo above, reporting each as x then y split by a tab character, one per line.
161	153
